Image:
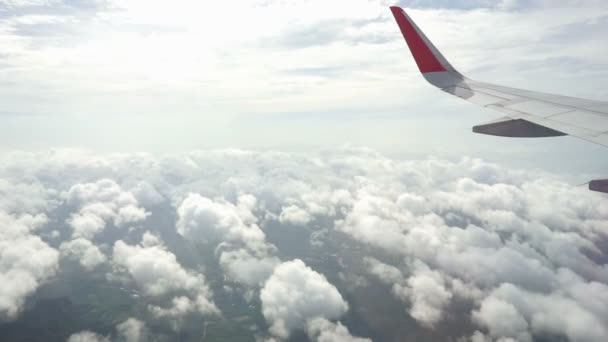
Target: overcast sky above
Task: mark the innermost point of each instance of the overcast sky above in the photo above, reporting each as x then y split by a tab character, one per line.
168	76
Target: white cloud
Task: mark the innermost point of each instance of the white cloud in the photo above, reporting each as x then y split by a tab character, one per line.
203	219
322	330
295	215
181	306
295	295
246	268
87	336
132	330
158	273
508	311
477	227
101	201
386	273
21	197
243	251
84	251
426	290
503	320
25	262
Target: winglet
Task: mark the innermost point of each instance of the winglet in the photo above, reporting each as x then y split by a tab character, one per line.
427	57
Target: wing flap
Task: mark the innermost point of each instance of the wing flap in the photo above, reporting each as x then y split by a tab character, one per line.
515	128
539	108
588	120
563	127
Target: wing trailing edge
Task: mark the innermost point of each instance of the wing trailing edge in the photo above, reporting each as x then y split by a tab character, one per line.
515	128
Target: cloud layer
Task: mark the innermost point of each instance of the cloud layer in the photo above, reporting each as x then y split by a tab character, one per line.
303	238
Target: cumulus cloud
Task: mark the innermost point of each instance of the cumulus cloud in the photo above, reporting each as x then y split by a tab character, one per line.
499	251
21	197
426	290
132	330
25	262
322	330
518	245
246	267
242	248
294	215
158	273
182	305
216	221
295	295
84	251
87	336
98	202
512	312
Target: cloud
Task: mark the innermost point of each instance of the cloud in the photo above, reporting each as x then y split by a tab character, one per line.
322	330
426	290
519	245
25	262
386	273
295	295
131	330
346	57
249	269
242	249
158	273
466	248
29	198
294	215
87	336
84	251
216	221
98	202
182	306
503	320
508	311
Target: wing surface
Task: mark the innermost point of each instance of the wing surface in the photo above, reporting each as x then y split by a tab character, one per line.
527	113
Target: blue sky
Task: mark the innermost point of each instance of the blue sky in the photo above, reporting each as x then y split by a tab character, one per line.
155	76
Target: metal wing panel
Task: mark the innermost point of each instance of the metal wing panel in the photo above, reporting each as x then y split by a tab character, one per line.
567	118
530	114
560	100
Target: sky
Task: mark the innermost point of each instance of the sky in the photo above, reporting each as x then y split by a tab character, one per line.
165	77
280	169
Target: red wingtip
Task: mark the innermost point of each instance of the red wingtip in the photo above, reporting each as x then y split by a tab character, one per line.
425	59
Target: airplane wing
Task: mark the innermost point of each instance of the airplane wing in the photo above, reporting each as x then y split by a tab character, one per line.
528	114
